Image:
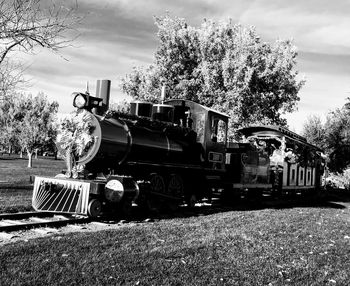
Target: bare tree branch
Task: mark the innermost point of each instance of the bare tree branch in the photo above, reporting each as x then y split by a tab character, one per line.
25	24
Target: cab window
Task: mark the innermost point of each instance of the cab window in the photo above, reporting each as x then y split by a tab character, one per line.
218	130
199	126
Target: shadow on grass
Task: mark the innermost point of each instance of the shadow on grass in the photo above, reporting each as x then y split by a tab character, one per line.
306	203
16	209
337	195
9	158
138	214
6	157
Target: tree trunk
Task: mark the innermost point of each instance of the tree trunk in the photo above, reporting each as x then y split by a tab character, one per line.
10	149
21	153
30	154
36	153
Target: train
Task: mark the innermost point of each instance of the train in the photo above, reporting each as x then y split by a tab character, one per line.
161	156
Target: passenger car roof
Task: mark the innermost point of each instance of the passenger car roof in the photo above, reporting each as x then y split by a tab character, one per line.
274	131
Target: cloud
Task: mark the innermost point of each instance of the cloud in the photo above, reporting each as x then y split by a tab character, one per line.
316	26
321	94
323	63
119	34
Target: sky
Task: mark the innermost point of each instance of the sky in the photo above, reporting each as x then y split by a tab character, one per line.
117	35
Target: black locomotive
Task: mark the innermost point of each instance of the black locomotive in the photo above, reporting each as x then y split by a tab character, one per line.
162	155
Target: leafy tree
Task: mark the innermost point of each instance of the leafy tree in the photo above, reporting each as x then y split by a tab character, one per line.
122	106
222	65
143	84
49	145
34	120
333	136
337	138
25	25
178	58
8	123
314	131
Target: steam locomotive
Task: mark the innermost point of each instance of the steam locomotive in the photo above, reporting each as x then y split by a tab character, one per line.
164	155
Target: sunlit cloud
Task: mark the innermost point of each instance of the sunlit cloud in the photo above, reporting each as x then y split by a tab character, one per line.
119	34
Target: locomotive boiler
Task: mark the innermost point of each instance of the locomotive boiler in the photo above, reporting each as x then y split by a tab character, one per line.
162	155
125	140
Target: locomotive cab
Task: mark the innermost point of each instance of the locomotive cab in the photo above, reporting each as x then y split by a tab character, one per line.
216	137
210	127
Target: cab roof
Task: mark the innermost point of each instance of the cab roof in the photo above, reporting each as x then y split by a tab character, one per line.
194	105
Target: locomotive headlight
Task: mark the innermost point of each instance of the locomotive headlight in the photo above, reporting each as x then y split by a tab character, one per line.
114	191
80	100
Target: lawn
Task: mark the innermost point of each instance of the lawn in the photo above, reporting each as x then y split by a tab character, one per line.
15	200
15	187
298	243
14	170
307	245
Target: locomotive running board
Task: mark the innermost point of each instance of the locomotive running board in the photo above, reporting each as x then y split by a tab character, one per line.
60	195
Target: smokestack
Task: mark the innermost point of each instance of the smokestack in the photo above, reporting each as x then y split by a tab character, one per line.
103	88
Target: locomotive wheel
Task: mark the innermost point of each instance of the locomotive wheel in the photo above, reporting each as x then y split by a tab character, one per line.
175	189
157	184
94	208
176	186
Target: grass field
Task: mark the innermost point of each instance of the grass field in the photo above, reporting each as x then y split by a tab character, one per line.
15	200
15	190
14	169
298	243
290	246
